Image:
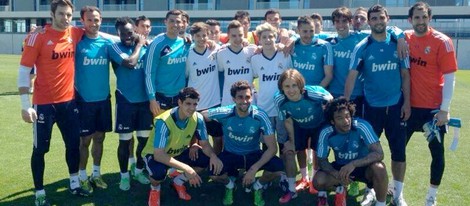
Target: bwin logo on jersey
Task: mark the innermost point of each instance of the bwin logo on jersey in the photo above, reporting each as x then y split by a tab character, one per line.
95	61
348	155
343	54
245	138
207	70
304	66
243	70
384	67
305	119
176	60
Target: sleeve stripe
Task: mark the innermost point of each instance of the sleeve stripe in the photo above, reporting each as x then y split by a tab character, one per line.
325	133
264	117
148	67
32	39
367	131
163	137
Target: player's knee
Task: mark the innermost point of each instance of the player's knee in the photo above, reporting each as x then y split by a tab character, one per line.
40	151
379	170
320	180
98	138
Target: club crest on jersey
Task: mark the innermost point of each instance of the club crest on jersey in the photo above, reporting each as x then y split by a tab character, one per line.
381	50
355	144
427	50
84	51
314	56
252	130
248	60
280	66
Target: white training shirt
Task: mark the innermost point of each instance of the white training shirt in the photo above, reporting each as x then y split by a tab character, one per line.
236	67
203	75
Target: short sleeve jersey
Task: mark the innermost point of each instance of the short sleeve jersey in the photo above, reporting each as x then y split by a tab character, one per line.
268	71
431	56
130	81
347	147
342	49
236	66
203	75
242	134
173	134
53	54
308	111
310	59
381	69
92	69
165	66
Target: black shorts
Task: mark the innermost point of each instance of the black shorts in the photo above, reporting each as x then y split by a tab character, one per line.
132	116
232	162
302	135
95	117
158	170
388	119
358	174
166	103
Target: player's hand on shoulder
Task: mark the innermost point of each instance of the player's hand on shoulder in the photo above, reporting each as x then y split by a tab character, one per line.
29	115
194	151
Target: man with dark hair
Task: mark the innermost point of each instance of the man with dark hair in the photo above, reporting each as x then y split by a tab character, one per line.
132	113
169	147
143	27
386	91
243	125
214	30
92	93
358	155
53	98
359	20
433	67
165	65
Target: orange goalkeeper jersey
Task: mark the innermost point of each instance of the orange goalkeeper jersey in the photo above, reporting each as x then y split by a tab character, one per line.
53	54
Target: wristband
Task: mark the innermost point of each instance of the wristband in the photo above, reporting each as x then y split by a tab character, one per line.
25	102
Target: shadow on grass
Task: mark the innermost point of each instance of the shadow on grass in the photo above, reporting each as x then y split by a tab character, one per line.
9	93
209	193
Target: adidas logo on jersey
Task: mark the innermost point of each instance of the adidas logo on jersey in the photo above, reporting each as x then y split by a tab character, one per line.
95	61
243	70
371	57
384	67
227	62
50	43
206	70
194	63
165	50
304	66
61	55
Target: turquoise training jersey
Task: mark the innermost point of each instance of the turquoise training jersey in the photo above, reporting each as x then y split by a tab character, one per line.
242	134
130	81
308	111
310	59
347	147
165	66
92	69
381	70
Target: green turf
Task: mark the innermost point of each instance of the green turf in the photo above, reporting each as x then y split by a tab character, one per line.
16	186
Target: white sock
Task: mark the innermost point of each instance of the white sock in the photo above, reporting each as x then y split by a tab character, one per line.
40	192
304	173
82	174
432	191
310	156
257	185
339	189
157	188
138	171
230	184
124	175
291	181
96	171
74	181
131	160
398	188
180	179
380	203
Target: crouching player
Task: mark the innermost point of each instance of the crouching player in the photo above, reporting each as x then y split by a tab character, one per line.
168	147
243	124
358	155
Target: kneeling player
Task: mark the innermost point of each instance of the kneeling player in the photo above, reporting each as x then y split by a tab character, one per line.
168	147
243	124
358	155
